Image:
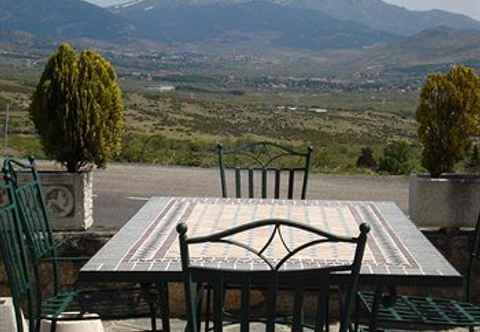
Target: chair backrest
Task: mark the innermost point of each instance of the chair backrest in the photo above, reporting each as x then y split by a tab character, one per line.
33	213
32	206
262	166
15	257
473	258
273	275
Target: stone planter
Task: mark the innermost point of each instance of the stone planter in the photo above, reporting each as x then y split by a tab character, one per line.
450	201
69	198
8	321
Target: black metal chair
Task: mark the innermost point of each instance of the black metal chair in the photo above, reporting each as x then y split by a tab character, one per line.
259	162
22	281
272	276
116	303
388	310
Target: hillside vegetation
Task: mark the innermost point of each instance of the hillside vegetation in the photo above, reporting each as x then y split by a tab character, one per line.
176	129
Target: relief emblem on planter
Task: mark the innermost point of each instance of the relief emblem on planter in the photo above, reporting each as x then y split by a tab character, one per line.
60	200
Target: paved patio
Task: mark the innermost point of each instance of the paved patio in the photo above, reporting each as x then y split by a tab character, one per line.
177	325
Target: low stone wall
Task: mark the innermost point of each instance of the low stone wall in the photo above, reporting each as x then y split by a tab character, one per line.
452	243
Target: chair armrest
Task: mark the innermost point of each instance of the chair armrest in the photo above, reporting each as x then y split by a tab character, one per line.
58	244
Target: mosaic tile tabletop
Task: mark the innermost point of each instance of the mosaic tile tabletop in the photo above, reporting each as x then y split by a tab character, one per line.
149	241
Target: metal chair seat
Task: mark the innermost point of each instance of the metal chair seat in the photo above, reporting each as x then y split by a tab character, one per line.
120	303
422	312
53	307
105	303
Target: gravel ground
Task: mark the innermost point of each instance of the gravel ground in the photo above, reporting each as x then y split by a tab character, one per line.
186	181
122	189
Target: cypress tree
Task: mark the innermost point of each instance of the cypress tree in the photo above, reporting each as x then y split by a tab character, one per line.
448	117
77	109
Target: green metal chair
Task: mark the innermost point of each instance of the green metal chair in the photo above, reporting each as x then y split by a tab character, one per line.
387	310
258	169
21	279
117	303
272	276
259	162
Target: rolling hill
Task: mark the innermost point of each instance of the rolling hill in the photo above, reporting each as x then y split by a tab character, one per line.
62	19
382	16
429	51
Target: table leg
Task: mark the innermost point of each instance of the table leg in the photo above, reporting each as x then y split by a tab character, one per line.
152	300
164	306
207	309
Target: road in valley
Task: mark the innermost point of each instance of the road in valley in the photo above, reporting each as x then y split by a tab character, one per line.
121	189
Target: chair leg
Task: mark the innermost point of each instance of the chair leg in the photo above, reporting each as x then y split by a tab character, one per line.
164	306
151	299
53	325
356	317
376	304
327	314
37	324
207	310
19	318
199	305
153	316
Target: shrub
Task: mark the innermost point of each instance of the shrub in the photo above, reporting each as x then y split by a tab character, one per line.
448	116
473	161
366	159
398	158
77	109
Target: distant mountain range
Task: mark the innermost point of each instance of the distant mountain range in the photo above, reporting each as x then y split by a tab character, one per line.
273	24
279	25
376	14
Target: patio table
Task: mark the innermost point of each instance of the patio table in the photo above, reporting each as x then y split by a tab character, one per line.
146	249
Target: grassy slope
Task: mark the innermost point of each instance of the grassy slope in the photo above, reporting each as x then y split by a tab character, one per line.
178	129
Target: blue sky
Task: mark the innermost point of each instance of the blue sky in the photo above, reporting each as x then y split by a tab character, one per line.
468	7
